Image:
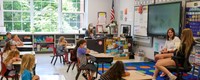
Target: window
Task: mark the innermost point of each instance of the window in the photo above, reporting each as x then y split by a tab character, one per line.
17	15
43	15
72	14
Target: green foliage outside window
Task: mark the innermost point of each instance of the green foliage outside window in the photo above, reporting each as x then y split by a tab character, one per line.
17	15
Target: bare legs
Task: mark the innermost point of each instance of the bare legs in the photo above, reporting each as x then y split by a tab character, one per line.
163	56
160	66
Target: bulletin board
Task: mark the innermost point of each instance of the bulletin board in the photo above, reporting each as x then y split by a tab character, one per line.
140	20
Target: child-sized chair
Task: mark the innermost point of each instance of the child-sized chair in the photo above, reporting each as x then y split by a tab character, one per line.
73	58
55	55
4	71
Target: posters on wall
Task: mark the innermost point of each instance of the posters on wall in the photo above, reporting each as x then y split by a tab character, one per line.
102	18
140	20
143	2
193	17
124	15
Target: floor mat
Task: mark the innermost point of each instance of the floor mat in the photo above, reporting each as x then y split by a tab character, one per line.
144	67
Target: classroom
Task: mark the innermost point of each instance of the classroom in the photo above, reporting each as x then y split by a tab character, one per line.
100	39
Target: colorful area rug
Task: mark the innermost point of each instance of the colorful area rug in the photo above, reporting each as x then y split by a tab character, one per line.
144	67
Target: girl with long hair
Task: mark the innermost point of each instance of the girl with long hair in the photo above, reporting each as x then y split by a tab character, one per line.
62	48
171	44
90	33
27	65
13	56
115	72
187	42
8	47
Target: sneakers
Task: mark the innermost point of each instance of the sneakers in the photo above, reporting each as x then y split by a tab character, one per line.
172	77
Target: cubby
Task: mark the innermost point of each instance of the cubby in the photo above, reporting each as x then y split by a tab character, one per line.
43	43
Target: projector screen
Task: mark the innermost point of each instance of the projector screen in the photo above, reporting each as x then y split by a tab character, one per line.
164	16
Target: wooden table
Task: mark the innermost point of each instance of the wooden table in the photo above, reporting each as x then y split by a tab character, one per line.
101	58
52	77
27	52
135	75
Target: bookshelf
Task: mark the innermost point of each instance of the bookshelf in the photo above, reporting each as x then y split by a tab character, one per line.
43	43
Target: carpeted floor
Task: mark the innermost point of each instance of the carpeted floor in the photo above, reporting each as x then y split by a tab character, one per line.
144	67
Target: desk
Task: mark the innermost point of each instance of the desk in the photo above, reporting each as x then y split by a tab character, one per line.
27	52
52	77
101	58
71	47
18	63
135	75
27	43
25	48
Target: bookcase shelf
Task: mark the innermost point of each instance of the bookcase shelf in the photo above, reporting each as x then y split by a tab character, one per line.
44	40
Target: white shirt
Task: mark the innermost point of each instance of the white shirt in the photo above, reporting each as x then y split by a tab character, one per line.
5	55
172	44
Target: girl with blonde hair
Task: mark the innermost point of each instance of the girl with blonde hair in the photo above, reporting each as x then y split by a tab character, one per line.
187	42
13	56
27	65
61	47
